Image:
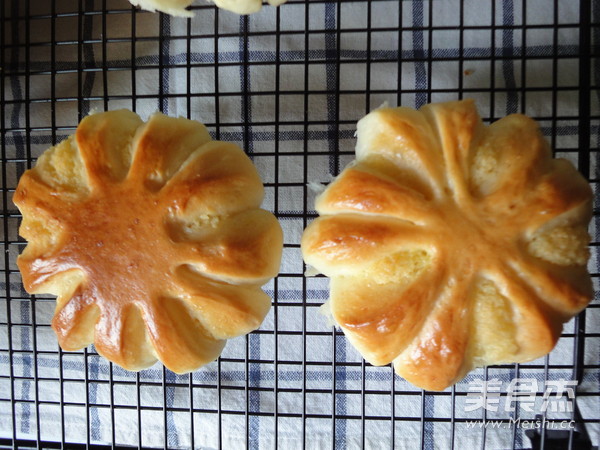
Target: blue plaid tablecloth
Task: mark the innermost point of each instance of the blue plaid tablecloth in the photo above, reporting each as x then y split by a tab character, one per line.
288	85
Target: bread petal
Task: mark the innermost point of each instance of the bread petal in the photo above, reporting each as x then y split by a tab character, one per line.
245	248
343	244
179	340
357	190
104	142
225	310
217	179
383	319
152	164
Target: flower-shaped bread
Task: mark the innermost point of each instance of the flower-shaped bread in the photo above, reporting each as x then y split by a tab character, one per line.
151	236
178	7
452	245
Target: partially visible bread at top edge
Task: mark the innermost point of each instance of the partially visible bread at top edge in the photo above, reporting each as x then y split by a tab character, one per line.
179	7
172	7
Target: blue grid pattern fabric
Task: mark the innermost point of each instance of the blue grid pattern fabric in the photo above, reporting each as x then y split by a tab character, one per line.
288	85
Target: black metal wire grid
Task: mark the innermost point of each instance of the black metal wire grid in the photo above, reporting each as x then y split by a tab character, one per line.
288	85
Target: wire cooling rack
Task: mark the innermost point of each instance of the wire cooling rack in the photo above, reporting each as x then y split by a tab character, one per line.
288	85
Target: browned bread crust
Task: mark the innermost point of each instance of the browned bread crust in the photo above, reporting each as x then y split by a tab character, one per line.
152	237
452	245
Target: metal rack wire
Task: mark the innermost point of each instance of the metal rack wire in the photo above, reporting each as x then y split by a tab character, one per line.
288	85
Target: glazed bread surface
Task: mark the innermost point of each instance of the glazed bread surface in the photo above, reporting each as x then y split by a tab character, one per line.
450	244
152	238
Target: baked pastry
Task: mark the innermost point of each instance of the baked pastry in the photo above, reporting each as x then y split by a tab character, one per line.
151	236
179	7
450	244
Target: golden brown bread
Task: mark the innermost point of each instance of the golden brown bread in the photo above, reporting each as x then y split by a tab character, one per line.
452	245
152	237
178	7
